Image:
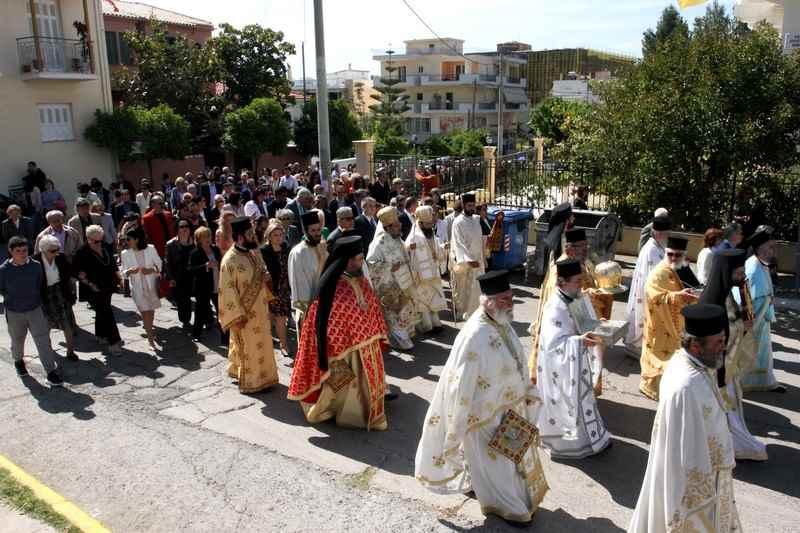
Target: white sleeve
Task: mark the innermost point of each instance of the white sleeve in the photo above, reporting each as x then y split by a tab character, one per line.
461	243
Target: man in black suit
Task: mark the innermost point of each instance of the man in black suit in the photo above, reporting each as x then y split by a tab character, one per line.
125	206
406	207
345	222
366	222
102	193
380	188
278	202
210	188
302	203
16	225
321	203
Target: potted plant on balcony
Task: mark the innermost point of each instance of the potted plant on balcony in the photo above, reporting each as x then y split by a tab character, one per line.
79	64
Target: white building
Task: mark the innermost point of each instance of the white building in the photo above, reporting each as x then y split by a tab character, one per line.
450	90
349	84
51	83
783	15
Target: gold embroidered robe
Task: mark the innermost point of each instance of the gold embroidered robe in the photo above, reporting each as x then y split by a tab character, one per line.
663	325
243	294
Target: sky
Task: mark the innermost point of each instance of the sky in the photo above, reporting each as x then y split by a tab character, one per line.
355	30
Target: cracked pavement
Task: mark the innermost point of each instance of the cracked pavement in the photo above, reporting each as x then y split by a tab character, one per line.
163	441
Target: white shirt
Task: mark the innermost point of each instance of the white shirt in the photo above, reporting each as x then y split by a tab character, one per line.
251	209
51	271
289	182
704	260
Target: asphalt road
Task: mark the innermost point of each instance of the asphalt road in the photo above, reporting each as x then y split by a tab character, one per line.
164	442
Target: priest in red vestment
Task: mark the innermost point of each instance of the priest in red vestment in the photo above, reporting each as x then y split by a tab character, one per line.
339	371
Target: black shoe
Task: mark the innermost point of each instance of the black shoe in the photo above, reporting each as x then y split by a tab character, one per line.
72	356
54	380
21	369
437	330
390	396
780	389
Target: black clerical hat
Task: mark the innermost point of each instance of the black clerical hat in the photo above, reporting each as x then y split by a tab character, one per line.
575	235
662	224
704	320
494	282
467	198
240	225
677	243
560	214
761	236
309	218
347	247
568	268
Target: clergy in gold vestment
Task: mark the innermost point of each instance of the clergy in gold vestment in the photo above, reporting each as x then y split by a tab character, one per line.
663	322
243	301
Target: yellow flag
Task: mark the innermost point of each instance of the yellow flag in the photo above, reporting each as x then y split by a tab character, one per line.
690	3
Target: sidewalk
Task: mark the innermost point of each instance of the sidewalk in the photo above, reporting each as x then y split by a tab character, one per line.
15	522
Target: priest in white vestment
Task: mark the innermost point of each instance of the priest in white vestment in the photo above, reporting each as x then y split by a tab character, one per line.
651	254
485	382
390	275
306	261
568	371
466	248
428	259
688	485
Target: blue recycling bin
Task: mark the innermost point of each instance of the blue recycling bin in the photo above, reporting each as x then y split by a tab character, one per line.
514	251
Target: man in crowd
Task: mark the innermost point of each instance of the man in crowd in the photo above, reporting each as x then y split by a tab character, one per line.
124	207
651	254
466	249
69	239
158	224
301	205
306	261
428	259
288	182
569	370
107	223
367	222
345	222
243	310
688	485
726	278
143	197
484	394
762	376
17	225
380	188
561	219
339	369
83	218
20	280
732	237
406	209
665	296
292	233
390	272
647	231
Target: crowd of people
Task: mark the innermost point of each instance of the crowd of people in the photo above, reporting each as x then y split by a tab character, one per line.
356	265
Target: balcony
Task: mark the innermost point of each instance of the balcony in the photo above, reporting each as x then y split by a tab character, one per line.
53	58
487	106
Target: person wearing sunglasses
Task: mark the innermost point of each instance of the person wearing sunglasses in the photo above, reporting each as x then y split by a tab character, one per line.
141	265
176	262
58	294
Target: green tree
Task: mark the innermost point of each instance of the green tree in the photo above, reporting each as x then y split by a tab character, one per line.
467	143
163	134
343	129
388	112
695	117
261	126
253	63
117	131
436	146
553	117
670	24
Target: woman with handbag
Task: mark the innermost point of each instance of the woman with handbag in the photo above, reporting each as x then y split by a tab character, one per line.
275	253
58	295
176	261
141	265
203	267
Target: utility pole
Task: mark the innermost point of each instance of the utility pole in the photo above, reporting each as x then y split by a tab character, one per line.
323	130
500	109
474	100
303	55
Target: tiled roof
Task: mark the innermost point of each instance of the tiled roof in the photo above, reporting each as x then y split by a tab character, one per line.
140	11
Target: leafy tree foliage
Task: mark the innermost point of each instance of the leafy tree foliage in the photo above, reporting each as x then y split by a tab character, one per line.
261	126
344	129
553	117
116	131
670	24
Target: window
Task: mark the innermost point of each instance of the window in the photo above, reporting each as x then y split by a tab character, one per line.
55	121
419	97
118	51
418	125
420	69
401	73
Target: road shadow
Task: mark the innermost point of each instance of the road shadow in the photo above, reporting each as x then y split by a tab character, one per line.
126	318
429	351
57	400
617	361
789	400
787	324
631	422
545	521
767	423
775	474
620	469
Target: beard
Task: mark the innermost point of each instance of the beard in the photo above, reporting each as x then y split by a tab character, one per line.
357	273
712	360
398	236
469	212
428	232
250	244
679	264
504	317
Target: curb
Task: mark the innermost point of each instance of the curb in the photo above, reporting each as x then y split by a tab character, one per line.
61	505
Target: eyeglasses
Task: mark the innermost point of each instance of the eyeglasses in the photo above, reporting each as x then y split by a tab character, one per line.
183	226
675	254
53	251
92	241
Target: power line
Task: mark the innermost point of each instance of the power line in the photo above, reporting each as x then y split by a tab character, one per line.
456	52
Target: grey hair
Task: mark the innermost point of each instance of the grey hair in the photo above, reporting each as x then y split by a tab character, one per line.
284	213
48	242
13	207
53	214
731	230
344	212
303	192
98	203
366	201
95	231
83	202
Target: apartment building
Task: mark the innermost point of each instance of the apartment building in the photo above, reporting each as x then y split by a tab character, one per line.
53	76
782	15
349	84
450	90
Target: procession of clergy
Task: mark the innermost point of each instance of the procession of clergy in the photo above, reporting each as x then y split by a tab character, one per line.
494	405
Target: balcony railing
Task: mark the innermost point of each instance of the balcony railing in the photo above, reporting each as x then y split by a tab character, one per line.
54	57
487	106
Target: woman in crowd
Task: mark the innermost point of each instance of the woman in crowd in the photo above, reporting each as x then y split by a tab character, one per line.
203	267
141	265
711	239
176	263
52	199
131	221
224	236
97	270
276	256
177	192
261	228
58	296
